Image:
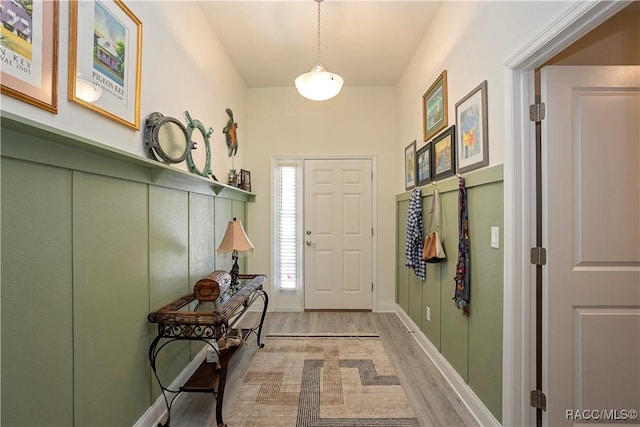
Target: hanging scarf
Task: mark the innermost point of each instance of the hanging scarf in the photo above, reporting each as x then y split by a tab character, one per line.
413	248
463	267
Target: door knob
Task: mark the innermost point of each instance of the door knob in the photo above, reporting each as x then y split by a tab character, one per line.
309	243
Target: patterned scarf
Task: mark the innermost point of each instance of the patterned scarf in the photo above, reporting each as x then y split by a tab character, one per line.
462	296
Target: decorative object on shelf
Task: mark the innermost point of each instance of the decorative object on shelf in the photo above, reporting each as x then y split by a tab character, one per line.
319	84
410	166
473	130
37	82
230	130
193	124
245	179
166	139
105	42
423	161
232	177
443	154
434	107
236	242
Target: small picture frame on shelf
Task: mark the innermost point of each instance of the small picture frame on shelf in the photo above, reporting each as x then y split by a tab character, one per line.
245	180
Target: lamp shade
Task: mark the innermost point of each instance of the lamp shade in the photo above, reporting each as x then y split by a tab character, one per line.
235	239
319	84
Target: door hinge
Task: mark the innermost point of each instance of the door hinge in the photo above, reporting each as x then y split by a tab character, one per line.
536	112
538	256
538	400
371	286
372	231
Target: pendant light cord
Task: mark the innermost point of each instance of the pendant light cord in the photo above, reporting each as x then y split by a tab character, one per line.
319	1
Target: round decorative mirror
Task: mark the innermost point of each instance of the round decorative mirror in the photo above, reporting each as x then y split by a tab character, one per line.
201	136
166	139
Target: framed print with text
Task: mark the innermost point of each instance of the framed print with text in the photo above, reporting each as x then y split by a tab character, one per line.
434	107
410	166
473	133
105	48
29	52
443	155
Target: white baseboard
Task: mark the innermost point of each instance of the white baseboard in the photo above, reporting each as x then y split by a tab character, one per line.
483	416
385	308
158	411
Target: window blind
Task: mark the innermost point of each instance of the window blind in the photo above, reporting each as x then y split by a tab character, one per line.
287	227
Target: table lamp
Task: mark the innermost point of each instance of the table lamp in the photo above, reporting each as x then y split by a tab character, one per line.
235	240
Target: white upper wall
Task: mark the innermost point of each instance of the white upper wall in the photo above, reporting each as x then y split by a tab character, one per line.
472	41
180	71
360	121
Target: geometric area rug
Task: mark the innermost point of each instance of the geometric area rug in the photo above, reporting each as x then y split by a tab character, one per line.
332	380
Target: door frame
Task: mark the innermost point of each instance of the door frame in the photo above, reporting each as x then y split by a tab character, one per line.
294	300
519	365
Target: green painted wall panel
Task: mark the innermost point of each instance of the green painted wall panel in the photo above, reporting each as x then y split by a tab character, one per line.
415	298
473	346
37	358
431	299
202	243
454	328
223	214
485	321
111	300
168	271
402	283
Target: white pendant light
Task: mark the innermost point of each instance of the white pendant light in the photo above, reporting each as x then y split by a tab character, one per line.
319	84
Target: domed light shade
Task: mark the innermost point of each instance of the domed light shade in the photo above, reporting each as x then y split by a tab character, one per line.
319	84
87	91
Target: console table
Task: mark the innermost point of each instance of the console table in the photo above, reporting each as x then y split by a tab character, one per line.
217	309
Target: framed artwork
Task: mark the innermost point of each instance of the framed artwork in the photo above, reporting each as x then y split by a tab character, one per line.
105	47
434	107
245	179
29	52
443	147
473	133
423	157
410	166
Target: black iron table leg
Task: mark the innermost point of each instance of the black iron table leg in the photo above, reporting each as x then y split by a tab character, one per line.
264	312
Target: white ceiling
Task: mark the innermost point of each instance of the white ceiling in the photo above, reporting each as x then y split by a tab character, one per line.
368	43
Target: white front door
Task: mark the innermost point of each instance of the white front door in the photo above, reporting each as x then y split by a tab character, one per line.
591	229
338	234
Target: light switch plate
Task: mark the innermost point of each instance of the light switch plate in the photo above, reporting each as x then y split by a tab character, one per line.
495	237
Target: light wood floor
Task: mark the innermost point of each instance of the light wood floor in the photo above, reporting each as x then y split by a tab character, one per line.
432	398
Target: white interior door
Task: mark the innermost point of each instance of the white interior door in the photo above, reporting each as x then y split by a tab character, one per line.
338	234
591	229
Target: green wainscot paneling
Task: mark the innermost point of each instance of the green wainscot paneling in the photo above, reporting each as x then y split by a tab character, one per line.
402	272
202	237
37	342
111	300
168	272
485	320
454	328
202	245
223	214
